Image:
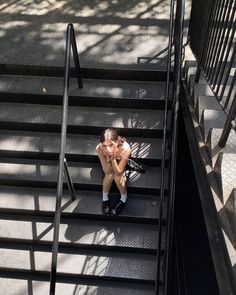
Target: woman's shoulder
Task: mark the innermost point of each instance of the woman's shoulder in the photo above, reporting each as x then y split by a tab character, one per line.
126	147
98	149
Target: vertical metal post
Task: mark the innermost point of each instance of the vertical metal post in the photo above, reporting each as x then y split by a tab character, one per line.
226	43
76	58
204	40
69	181
210	36
228	124
215	40
230	91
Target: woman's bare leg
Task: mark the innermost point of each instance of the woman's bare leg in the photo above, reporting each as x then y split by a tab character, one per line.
121	183
107	181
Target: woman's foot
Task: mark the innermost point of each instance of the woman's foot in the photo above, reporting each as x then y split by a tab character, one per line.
118	208
105	207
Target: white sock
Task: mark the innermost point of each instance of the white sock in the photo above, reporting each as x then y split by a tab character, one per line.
105	196
123	197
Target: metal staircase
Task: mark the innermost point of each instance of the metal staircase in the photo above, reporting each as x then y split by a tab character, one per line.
110	255
97	254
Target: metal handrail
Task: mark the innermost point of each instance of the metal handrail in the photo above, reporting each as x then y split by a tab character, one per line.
70	42
178	42
164	144
216	62
174	131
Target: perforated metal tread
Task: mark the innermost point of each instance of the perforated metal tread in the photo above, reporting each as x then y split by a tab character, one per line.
19	198
133	266
192	83
96	88
29	287
213	147
206	102
33	142
87	232
82	116
226	172
203	90
212	119
227	218
44	173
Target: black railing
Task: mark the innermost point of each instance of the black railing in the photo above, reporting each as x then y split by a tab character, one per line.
70	42
212	40
177	40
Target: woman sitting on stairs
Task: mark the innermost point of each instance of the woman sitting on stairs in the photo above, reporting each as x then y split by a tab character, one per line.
113	152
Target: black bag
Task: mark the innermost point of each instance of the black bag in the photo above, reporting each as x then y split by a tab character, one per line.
134	166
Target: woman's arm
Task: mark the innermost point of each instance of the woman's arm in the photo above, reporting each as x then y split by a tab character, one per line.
119	168
105	161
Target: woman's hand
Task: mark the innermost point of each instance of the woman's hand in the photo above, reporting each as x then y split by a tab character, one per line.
108	159
109	150
112	157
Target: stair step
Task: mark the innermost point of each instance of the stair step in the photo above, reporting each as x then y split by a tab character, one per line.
40	199
79	147
86	101
211	119
76	233
224	100
214	149
85	176
200	90
48	118
87	73
226	174
190	68
192	83
206	103
23	85
115	265
28	287
74	248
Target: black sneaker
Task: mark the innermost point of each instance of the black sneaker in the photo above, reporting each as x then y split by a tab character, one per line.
105	207
118	208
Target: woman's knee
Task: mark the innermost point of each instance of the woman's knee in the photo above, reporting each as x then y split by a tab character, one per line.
118	178
109	177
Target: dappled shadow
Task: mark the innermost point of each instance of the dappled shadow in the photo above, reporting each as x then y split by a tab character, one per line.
118	118
108	32
159	60
227	217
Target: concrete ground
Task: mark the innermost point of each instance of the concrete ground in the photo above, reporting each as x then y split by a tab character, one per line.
110	33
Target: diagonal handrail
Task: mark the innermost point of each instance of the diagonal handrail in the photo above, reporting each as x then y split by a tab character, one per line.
70	42
164	143
174	133
178	45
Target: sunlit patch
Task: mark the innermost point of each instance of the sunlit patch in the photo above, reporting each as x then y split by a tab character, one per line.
33	7
2	33
140	150
14	144
100	237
